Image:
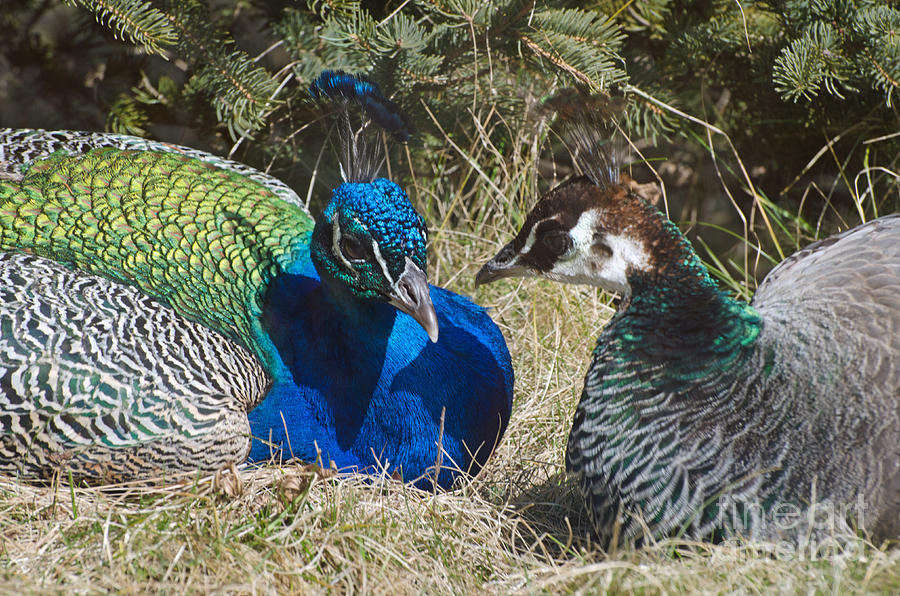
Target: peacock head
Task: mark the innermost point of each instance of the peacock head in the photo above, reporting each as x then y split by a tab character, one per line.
581	232
371	241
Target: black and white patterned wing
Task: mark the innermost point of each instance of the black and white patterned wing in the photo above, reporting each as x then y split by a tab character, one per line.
101	381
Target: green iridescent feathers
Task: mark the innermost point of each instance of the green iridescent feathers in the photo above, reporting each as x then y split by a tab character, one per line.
200	239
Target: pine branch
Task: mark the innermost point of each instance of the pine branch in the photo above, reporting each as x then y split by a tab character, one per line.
583	43
242	91
140	22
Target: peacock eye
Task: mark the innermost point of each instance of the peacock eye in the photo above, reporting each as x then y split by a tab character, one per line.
352	249
556	241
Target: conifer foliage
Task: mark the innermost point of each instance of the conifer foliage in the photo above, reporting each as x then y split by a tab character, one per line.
420	49
779	77
841	48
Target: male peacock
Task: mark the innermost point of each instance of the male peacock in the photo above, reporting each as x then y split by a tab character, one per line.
706	415
153	295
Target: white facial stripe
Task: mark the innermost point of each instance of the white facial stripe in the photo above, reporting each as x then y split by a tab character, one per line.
532	237
627	254
336	243
630	251
583	233
382	263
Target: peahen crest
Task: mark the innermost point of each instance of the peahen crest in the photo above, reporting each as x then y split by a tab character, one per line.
589	125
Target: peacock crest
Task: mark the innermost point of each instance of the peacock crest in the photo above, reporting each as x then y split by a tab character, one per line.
361	155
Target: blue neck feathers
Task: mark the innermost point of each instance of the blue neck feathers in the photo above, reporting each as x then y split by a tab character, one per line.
358	383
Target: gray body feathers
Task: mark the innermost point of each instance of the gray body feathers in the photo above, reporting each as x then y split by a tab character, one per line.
832	312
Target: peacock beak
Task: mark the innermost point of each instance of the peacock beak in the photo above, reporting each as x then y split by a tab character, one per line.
505	264
410	294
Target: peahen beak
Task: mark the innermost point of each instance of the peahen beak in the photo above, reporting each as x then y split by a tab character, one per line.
410	294
505	264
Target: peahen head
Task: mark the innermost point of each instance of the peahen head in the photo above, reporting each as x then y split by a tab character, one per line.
370	241
594	229
580	232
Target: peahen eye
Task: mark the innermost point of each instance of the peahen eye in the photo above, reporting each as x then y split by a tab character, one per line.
556	241
352	249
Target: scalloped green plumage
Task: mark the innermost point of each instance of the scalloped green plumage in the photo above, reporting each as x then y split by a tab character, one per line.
132	195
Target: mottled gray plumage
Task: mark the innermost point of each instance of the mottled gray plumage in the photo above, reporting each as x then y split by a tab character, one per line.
707	416
831	313
104	382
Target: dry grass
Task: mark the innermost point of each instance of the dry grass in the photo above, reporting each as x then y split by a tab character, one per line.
517	528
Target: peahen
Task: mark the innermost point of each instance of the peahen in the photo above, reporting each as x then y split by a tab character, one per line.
706	416
163	310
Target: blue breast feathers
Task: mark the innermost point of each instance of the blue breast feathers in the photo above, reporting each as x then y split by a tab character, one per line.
359	384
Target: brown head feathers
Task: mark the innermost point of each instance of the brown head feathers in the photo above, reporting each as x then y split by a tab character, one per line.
594	228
